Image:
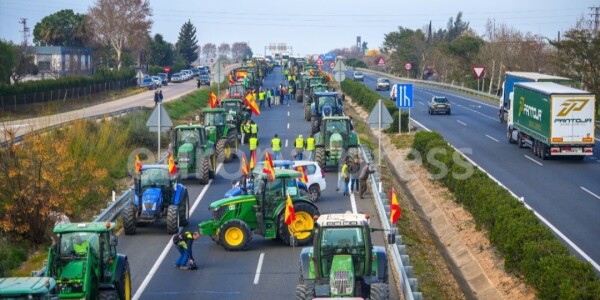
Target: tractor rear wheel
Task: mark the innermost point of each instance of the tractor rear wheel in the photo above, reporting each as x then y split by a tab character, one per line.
124	284
305	291
224	150
302	226
307	112
232	137
205	171
235	235
380	291
129	219
184	210
320	157
313	193
173	219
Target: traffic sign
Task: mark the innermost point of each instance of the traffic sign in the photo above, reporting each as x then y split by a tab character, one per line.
478	71
339	76
167	69
331	65
407	66
212	60
404	95
386	118
165	121
320	62
381	62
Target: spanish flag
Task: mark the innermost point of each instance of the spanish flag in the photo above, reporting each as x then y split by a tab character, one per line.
311	72
172	166
214	101
249	100
268	167
252	159
245	168
290	213
230	78
269	159
304	177
138	164
395	211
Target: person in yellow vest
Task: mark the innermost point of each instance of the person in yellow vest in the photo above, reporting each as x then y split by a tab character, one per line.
276	147
80	247
245	131
310	146
299	147
253	143
253	128
261	98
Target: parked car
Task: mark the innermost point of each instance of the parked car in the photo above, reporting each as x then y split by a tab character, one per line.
148	83
439	105
358	76
383	84
315	175
177	77
157	80
186	74
195	72
164	78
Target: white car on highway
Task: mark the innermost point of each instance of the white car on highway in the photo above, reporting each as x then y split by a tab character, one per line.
315	175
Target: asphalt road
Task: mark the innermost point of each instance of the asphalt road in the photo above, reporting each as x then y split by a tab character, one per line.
565	192
233	275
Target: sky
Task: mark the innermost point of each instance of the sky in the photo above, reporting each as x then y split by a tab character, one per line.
312	26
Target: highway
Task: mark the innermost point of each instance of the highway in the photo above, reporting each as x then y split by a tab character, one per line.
566	192
267	269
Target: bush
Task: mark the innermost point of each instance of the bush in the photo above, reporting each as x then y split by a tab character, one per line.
11	256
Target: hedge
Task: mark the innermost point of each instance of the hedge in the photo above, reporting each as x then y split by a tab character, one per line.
529	248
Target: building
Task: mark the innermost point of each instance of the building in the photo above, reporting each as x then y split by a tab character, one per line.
58	61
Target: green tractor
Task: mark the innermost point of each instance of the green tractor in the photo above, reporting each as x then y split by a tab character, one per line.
236	114
85	264
237	90
195	154
28	288
342	261
222	131
262	212
310	95
334	140
325	104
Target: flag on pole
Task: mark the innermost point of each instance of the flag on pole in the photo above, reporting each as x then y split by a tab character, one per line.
172	166
269	159
290	213
213	100
304	177
249	100
395	211
230	78
252	159
138	164
268	167
245	168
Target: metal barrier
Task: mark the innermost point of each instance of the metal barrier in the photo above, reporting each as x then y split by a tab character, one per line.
399	258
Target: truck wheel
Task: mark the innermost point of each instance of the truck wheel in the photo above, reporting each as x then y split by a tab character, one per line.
235	235
205	171
509	136
380	291
305	291
124	284
307	112
519	140
302	226
129	219
544	151
320	157
172	219
184	210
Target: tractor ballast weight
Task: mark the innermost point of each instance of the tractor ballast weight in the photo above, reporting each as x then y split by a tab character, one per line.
194	152
157	196
235	219
325	104
85	264
221	130
335	141
342	261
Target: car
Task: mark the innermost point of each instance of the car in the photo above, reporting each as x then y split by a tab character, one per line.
157	80
204	70
164	78
148	83
383	84
195	72
358	76
177	77
315	175
439	104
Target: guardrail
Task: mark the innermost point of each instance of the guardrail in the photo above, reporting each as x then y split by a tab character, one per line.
399	258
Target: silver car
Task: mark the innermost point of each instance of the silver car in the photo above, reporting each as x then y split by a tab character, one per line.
358	76
383	84
439	105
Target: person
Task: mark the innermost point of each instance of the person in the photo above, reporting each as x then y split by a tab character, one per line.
354	169
299	147
156	98
184	242
269	96
310	146
253	128
160	96
276	146
80	247
276	93
245	131
344	176
364	175
283	94
261	98
253	143
291	92
190	241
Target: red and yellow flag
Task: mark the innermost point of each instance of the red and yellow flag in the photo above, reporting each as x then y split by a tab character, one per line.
268	167
290	213
213	100
252	159
172	165
230	78
245	168
304	177
395	211
249	100
269	159
138	164
311	72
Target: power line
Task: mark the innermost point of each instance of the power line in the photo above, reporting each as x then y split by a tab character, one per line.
25	31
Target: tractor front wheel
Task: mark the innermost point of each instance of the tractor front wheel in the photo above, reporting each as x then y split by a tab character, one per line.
173	219
305	291
380	291
184	210
124	284
301	229
205	171
129	219
235	235
224	150
307	112
320	157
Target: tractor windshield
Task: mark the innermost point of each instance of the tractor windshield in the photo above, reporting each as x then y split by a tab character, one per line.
188	136
327	100
230	106
236	91
342	240
77	243
339	126
213	119
155	178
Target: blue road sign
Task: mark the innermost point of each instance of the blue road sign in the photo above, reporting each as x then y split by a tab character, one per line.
404	95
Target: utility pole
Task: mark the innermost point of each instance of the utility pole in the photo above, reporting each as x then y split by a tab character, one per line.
25	31
596	14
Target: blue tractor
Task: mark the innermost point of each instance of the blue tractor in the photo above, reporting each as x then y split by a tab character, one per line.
157	197
325	104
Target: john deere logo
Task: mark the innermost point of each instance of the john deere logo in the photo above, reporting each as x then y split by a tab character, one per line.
572	105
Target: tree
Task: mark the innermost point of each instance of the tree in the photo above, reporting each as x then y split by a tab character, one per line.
187	44
63	28
209	50
224	51
7	61
24	63
239	50
456	27
160	52
402	46
121	24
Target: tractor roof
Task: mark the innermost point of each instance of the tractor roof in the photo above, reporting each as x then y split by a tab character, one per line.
231	100
22	286
347	219
84	227
215	110
336	118
147	167
279	173
325	94
193	126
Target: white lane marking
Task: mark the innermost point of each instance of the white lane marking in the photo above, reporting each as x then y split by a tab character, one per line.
533	160
288	126
288	113
493	139
590	192
461	122
421	103
353	203
168	247
286	142
259	267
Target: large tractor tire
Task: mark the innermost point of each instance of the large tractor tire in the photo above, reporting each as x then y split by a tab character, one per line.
305	291
314	191
173	219
380	291
124	284
224	151
303	225
205	169
235	235
320	157
352	152
307	112
184	210
107	295
129	219
232	137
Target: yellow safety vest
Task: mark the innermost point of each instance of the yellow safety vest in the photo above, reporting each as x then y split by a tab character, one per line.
261	96
253	143
246	128
310	144
344	169
254	128
81	248
276	144
299	143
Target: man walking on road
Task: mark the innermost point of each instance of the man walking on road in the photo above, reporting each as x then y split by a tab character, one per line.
261	98
364	175
276	147
310	146
299	147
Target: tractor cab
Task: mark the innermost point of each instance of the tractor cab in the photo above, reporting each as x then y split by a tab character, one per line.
237	91
214	122
336	132
191	148
334	140
153	190
235	114
222	131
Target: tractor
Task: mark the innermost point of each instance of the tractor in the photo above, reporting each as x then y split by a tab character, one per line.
334	141
326	104
221	130
237	90
308	98
28	288
157	196
235	219
342	261
234	109
195	154
85	264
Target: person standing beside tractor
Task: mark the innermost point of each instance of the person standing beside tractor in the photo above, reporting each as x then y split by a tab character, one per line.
183	242
253	143
245	131
310	146
253	128
299	147
354	169
364	175
261	98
